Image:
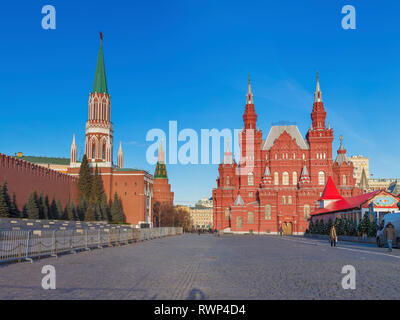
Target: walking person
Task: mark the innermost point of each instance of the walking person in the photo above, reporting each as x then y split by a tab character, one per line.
280	231
389	235
333	236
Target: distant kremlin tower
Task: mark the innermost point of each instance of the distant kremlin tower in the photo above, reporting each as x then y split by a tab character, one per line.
279	179
162	189
134	187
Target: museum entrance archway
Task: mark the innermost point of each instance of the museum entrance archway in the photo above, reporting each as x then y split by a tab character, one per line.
287	228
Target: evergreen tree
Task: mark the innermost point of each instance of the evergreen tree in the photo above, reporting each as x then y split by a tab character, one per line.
81	209
321	227
46	207
85	179
14	212
24	212
32	206
329	226
97	188
68	213
105	209
60	210
97	212
53	211
311	227
4	208
373	228
116	210
90	212
364	225
41	207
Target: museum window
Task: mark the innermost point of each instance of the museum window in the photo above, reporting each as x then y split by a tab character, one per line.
267	212
276	178
344	180
250	179
290	200
294	156
227	181
321	178
285	178
250	218
306	212
294	177
238	222
227	214
283	200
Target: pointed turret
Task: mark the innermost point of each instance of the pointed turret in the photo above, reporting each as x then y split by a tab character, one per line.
364	181
250	116
341	154
249	96
73	151
228	159
120	156
318	114
266	179
330	191
317	94
161	153
100	81
161	169
305	177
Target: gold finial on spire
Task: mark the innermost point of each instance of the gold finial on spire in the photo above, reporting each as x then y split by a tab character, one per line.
249	77
341	138
317	75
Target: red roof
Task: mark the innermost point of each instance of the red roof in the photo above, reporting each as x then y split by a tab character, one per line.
346	203
330	191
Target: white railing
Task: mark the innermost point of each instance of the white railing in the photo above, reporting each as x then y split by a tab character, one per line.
19	245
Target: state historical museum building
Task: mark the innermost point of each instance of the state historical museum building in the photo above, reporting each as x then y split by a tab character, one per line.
279	179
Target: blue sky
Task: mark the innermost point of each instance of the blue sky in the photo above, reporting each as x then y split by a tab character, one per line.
189	61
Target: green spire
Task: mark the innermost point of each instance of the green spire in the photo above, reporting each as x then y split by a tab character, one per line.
100	81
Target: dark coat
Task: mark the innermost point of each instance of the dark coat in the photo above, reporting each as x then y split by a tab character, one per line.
390	232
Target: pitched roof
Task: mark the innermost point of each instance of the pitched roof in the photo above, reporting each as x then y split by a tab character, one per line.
100	81
276	131
330	191
346	203
239	201
47	160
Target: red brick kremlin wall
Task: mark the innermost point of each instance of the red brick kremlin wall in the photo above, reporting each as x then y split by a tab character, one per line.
23	177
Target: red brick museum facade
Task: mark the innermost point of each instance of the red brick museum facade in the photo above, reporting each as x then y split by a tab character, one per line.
279	179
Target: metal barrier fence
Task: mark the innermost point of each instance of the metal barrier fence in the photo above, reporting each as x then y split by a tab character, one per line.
28	245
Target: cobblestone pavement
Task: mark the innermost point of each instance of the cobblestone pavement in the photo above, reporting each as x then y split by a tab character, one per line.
209	267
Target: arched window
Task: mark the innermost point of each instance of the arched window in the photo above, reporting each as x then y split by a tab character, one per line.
276	178
304	156
317	155
294	156
250	179
103	152
227	214
289	200
238	222
285	178
104	111
294	177
250	218
228	181
306	212
95	111
283	200
324	155
321	178
93	150
344	180
276	156
267	212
